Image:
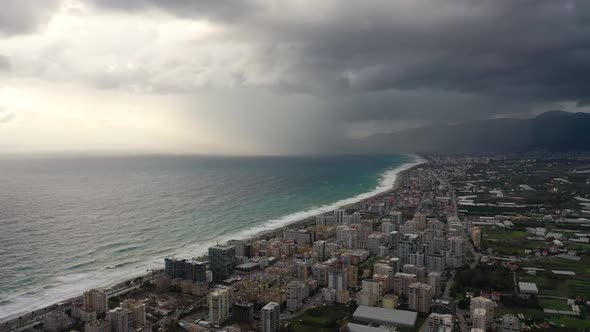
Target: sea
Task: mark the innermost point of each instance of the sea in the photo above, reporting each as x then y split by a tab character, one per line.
71	223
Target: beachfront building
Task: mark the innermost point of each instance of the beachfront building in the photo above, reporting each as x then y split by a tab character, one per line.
96	300
221	261
301	236
183	269
241	247
56	321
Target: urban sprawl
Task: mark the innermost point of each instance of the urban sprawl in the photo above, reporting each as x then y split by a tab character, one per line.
461	243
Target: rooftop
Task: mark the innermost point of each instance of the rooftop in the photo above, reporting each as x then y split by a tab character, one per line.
364	328
385	316
270	306
528	287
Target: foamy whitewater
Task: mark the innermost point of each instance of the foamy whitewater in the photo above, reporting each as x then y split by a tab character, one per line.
70	224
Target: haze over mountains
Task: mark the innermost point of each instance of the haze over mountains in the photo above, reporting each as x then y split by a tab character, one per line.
551	131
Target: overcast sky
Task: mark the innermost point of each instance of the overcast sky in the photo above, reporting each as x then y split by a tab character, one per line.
277	76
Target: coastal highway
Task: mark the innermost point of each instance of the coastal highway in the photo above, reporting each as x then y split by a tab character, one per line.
29	319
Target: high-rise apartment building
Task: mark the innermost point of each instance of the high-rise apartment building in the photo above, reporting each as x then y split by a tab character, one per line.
221	261
419	297
483	303
297	291
218	302
402	282
302	270
319	248
435	280
374	241
243	312
120	320
479	319
420	220
271	320
183	269
337	280
387	227
137	310
96	300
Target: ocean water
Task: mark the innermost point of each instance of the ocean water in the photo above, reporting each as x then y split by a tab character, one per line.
72	223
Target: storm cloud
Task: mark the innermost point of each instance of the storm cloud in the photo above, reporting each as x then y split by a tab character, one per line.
530	49
361	67
25	16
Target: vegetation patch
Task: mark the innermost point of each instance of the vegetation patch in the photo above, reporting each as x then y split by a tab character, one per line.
557	304
483	278
322	319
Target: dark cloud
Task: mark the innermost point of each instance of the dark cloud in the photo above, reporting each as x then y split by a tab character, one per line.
25	16
427	60
524	49
477	60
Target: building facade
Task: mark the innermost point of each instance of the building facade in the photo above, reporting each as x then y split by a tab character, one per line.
221	261
271	317
218	302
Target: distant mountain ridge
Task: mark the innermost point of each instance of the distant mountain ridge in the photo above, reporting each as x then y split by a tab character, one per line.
551	131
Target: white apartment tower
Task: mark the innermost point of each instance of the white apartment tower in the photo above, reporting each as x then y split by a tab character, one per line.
218	302
483	303
271	317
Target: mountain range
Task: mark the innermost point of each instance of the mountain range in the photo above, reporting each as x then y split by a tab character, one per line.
557	131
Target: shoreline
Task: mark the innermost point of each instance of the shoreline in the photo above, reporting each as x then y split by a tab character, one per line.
311	220
261	234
